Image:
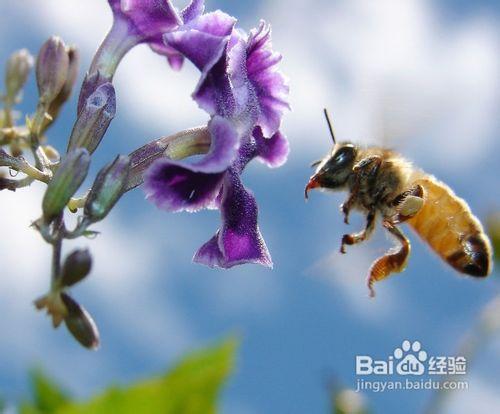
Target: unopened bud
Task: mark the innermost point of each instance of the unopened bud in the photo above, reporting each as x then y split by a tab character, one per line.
90	84
76	266
94	118
52	66
65	93
80	323
66	181
18	68
108	187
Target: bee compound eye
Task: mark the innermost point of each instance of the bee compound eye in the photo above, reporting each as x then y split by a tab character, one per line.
344	155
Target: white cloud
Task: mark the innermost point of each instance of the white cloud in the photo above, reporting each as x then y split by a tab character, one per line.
393	71
24	270
389	71
481	397
386	69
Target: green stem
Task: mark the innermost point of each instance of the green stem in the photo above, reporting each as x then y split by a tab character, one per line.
20	164
56	251
8	120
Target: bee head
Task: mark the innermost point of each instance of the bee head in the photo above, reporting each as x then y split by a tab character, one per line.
333	171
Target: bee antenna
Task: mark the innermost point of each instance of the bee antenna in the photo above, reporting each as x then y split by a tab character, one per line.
330	126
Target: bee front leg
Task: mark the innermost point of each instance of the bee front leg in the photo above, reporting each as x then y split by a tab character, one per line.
355	238
392	262
366	169
346	206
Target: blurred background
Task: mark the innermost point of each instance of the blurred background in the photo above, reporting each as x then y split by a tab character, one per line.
421	76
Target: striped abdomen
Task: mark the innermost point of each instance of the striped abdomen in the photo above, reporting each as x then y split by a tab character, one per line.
448	225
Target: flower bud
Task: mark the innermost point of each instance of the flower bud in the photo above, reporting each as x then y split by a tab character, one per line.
65	93
66	181
76	266
80	323
94	118
16	75
89	85
108	187
52	66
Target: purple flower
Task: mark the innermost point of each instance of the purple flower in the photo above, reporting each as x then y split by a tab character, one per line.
269	84
148	20
245	95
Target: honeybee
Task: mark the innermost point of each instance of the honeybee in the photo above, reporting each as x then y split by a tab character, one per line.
382	183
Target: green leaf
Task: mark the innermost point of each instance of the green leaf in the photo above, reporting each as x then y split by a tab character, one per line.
191	387
47	396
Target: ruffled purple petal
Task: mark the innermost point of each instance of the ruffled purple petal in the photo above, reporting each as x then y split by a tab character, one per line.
223	88
175	188
244	82
180	185
174	58
193	10
210	254
271	151
244	97
115	5
270	85
150	18
202	41
239	240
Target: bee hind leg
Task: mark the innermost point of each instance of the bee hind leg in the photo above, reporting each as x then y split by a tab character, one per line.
393	262
355	238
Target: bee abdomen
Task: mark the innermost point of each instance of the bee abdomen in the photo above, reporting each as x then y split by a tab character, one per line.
454	233
473	258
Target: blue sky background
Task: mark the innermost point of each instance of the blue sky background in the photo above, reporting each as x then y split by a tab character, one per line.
420	75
